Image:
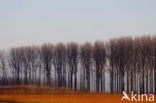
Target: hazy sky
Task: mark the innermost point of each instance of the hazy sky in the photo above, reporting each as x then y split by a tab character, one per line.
26	22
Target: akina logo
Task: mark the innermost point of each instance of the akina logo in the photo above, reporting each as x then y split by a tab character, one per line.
138	97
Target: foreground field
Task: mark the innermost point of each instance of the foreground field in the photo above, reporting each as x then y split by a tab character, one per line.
33	94
63	99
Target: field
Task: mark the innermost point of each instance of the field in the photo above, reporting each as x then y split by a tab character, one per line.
60	98
32	94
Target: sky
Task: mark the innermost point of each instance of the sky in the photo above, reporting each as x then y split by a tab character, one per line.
34	22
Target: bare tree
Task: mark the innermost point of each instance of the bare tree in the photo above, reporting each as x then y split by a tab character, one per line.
72	59
99	55
153	72
47	53
121	63
111	56
3	67
60	63
128	62
15	61
131	63
86	58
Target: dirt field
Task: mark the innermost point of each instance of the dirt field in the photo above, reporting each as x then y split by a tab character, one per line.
62	99
33	94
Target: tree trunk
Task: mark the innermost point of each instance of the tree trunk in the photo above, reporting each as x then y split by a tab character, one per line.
111	80
155	79
143	83
75	82
151	81
103	81
147	81
127	81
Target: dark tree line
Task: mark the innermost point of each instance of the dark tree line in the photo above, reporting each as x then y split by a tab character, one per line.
129	62
132	64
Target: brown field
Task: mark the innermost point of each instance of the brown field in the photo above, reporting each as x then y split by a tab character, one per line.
62	99
32	94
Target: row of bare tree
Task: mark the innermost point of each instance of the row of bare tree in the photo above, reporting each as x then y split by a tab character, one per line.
129	62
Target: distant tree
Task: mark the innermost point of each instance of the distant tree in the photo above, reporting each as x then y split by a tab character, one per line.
3	67
47	55
121	63
99	55
86	60
60	63
137	63
148	62
144	54
131	63
128	62
154	64
15	62
72	59
40	65
25	63
111	56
